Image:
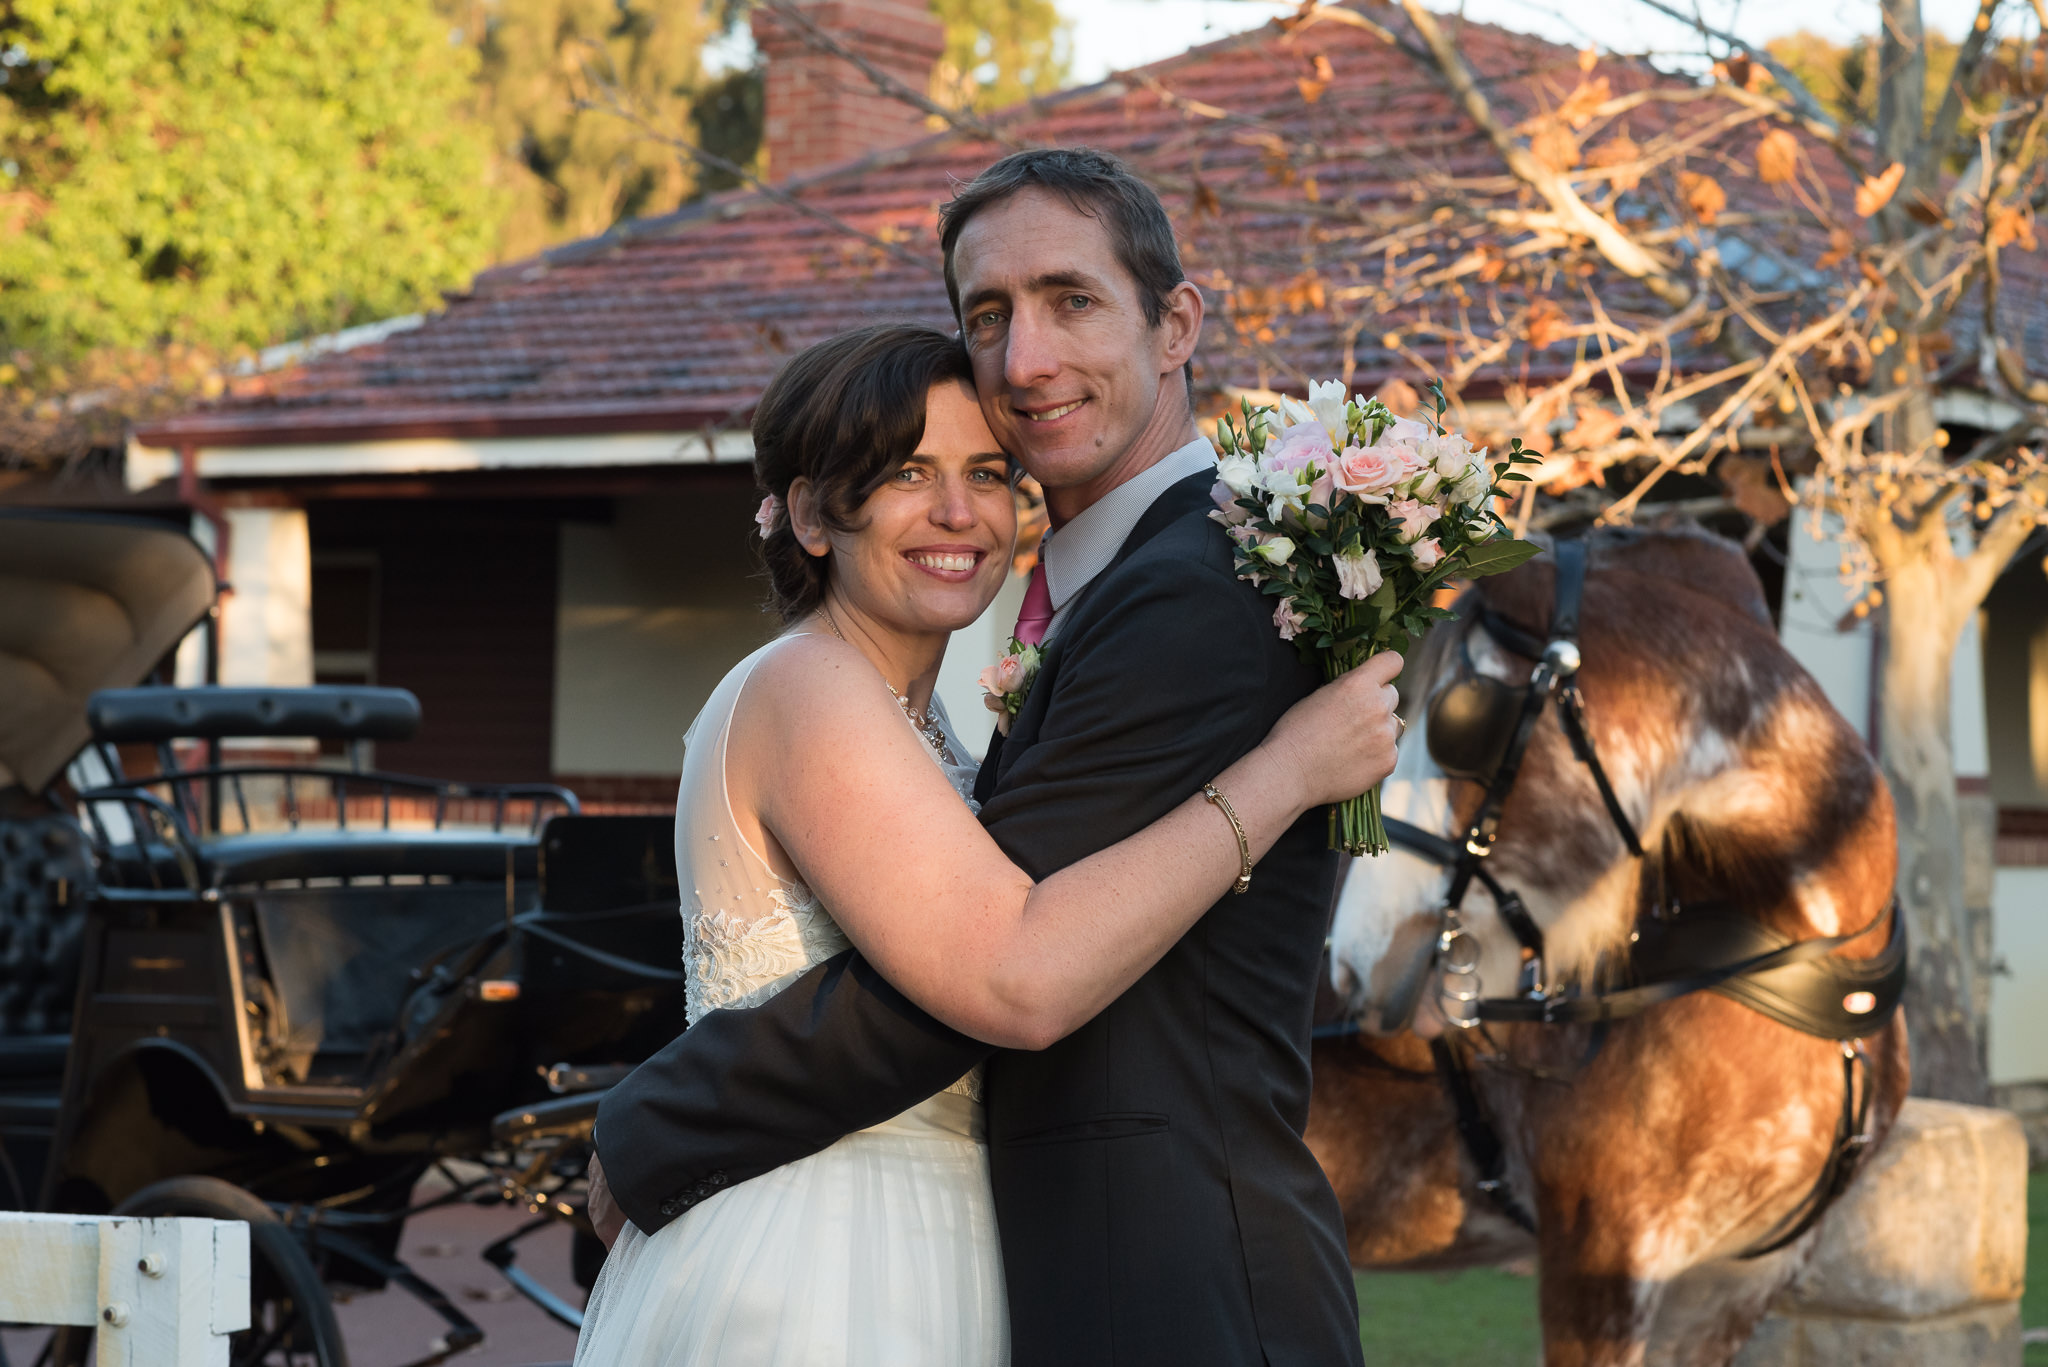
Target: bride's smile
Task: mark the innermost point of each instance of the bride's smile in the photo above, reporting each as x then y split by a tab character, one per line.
928	549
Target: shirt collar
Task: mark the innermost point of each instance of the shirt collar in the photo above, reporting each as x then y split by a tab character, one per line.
1084	546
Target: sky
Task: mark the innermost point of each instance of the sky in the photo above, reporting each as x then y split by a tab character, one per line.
1113	34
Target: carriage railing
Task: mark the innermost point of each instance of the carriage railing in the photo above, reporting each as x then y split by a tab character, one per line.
292	798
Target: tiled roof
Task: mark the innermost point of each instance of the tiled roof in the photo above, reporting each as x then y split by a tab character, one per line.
676	323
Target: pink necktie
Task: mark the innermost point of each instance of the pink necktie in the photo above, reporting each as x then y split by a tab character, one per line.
1036	614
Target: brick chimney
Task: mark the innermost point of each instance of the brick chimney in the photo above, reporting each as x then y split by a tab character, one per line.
821	108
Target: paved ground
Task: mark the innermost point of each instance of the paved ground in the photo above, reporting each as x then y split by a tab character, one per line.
389	1328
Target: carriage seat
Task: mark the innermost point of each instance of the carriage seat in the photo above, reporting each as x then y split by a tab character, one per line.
44	871
463	855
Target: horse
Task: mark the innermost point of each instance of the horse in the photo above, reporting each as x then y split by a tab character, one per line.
1660	1138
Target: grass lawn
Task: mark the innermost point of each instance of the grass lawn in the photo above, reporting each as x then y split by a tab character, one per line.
2034	1309
1480	1318
1487	1318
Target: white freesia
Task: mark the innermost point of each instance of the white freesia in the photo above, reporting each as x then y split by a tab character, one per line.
1240	474
1326	400
1292	412
1274	550
1358	574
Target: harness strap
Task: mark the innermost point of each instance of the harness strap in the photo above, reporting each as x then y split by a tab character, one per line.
1571	710
1852	1141
1481	1143
1633	1001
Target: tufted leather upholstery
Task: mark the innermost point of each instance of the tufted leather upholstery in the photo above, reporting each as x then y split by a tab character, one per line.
43	869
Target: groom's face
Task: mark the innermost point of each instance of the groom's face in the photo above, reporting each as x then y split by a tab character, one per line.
1070	372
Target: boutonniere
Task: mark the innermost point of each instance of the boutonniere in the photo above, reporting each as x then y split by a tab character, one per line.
1006	683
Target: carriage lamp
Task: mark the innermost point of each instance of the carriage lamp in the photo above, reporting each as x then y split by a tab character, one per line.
498	990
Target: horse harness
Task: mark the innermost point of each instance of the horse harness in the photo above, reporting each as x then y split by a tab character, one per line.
1479	729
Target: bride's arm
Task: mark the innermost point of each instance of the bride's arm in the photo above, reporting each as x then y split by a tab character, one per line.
929	897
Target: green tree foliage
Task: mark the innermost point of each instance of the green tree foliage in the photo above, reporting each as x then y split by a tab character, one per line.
1842	75
216	173
729	113
1000	51
570	171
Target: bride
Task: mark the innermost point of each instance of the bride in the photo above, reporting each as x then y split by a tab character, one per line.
826	801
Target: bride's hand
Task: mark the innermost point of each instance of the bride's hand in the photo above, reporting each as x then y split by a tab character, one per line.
1342	737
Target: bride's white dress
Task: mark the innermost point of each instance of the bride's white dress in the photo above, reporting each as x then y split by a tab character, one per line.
879	1251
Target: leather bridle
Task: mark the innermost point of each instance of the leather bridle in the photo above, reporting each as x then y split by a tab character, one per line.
1481	728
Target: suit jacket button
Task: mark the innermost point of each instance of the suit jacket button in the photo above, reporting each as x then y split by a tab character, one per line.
672	1207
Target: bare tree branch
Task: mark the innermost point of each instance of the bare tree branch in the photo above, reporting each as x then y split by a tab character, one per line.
2002	539
1573	214
1950	112
1810	109
1786	352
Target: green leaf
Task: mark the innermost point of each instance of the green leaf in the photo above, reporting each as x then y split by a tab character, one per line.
1497	557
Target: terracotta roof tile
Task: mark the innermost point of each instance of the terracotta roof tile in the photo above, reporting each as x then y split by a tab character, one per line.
678	322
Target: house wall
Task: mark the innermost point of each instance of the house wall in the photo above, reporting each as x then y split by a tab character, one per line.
266	635
465	618
2019	1008
655	603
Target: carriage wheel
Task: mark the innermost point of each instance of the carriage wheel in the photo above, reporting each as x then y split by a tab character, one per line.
291	1318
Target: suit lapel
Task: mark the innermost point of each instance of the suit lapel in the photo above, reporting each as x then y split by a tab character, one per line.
1181	498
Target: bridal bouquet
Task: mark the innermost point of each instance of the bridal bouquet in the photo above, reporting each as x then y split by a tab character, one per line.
1352	518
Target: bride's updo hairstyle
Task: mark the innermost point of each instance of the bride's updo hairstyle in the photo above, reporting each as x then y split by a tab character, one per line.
844	414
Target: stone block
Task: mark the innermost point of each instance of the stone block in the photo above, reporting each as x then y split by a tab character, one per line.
1981	1336
1934	1225
2028	1101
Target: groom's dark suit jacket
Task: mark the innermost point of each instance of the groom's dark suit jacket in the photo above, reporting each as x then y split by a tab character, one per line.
1156	1201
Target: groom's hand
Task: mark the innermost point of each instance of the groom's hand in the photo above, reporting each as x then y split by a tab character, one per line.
605	1216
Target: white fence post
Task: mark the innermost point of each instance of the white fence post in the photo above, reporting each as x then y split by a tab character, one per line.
162	1292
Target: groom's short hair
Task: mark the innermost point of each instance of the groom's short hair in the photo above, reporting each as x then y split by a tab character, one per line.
1094	183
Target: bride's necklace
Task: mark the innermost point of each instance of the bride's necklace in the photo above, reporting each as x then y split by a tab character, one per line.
923	722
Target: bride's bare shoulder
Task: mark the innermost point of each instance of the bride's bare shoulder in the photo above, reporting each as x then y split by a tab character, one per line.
812	679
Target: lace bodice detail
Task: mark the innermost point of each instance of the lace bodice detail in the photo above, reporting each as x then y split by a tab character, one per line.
747	931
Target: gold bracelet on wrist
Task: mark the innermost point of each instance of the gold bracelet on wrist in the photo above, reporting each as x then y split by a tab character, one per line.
1244	847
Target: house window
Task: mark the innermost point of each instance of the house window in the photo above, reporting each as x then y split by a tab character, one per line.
345	617
345	628
2015	627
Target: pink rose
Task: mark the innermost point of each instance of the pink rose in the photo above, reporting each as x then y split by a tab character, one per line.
767	515
1373	470
1412	517
1296	447
1227	512
1358	574
1323	490
1288	620
1009	672
1427	553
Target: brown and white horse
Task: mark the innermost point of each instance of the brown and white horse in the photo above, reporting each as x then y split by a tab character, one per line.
1691	1133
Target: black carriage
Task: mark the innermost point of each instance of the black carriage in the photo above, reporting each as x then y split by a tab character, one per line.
283	985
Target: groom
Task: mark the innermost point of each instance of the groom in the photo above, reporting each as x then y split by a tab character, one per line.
1157	1204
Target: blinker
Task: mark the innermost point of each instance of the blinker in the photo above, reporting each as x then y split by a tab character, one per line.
1472	722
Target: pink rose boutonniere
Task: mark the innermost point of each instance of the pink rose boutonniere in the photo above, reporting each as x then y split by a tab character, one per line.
1006	683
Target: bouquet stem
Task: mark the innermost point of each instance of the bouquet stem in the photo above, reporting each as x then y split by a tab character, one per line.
1356	825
